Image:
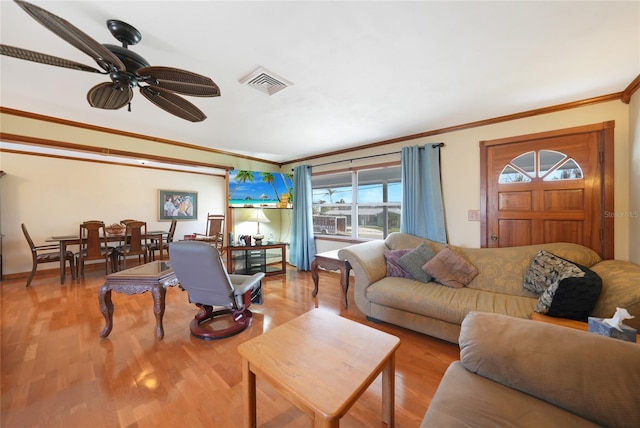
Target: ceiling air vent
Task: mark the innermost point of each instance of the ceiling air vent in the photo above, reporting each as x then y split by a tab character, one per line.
265	81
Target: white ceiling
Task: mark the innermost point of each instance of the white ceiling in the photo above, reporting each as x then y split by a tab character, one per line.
362	71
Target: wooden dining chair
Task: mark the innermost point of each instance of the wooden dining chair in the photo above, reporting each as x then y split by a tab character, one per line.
93	246
136	244
153	246
125	222
46	254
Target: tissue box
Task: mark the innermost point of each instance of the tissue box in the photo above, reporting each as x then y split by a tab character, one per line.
598	327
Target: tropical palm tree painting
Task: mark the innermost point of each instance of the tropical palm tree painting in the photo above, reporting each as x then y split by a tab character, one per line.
249	188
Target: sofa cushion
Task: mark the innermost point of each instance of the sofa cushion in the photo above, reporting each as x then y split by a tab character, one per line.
502	269
448	304
573	297
464	399
413	261
546	270
392	258
450	269
593	376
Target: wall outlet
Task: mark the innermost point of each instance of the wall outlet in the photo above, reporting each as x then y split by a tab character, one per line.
473	215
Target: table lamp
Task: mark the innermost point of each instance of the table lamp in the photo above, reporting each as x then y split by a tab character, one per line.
259	218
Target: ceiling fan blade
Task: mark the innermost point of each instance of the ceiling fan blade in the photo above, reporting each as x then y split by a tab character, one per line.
173	103
180	81
45	59
109	96
74	36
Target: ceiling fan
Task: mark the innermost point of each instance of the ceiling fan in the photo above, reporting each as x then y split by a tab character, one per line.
126	68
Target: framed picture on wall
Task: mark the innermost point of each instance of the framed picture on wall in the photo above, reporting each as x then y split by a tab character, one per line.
177	204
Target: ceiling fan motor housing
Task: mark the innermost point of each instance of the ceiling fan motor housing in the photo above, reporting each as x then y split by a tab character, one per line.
132	62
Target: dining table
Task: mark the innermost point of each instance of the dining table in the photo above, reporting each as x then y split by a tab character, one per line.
65	240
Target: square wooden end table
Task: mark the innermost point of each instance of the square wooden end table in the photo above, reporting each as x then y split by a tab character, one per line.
154	277
321	363
329	260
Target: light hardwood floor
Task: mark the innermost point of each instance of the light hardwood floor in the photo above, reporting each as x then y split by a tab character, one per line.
57	372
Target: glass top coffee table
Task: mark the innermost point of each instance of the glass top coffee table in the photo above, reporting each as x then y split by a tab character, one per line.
153	277
322	363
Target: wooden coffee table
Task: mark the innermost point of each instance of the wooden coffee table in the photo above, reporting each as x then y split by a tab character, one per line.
322	363
153	277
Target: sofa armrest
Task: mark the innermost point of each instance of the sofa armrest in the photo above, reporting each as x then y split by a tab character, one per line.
620	288
593	376
367	262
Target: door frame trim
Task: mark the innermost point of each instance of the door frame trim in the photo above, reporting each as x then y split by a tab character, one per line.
606	141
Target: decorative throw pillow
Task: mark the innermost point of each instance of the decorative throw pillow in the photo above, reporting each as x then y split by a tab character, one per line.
546	270
450	269
413	261
572	297
392	258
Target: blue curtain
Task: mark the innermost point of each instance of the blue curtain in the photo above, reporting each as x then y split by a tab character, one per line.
422	205
303	246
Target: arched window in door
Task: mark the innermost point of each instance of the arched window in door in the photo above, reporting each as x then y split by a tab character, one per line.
548	165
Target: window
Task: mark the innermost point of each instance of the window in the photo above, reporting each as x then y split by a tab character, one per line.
552	165
370	196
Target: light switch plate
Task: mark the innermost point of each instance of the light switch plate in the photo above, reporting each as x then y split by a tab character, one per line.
473	215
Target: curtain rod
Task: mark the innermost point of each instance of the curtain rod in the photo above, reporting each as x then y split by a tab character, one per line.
433	146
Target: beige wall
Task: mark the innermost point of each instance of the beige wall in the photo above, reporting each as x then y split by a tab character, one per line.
460	160
51	196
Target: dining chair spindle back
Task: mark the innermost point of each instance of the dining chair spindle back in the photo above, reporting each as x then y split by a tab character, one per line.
136	244
93	245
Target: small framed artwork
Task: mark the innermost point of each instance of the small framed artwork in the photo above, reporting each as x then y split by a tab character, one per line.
177	204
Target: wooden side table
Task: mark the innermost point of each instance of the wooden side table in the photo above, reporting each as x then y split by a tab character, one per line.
153	277
579	325
329	260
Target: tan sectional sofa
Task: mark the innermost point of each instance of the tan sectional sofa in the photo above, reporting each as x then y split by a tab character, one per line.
555	377
438	311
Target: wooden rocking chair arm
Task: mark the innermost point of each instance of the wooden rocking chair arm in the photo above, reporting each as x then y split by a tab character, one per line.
206	238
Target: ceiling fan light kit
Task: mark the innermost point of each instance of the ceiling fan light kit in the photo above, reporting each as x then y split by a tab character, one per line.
125	68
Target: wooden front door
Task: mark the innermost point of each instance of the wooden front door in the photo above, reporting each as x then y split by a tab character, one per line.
549	187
